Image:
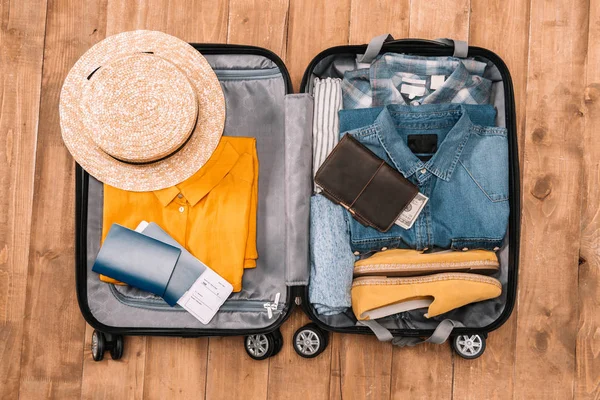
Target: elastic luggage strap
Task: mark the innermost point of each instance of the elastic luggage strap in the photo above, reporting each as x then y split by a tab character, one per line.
440	335
461	48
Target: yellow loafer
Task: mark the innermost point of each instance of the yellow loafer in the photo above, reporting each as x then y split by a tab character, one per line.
377	297
404	262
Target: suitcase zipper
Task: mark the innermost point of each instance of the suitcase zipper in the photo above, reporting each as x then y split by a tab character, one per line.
229	305
242	74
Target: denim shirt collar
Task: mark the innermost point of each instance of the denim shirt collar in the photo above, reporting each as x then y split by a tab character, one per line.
443	162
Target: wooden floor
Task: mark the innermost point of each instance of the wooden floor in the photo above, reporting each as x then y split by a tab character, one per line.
550	347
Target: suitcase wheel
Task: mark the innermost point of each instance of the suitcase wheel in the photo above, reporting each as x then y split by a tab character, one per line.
98	345
310	341
469	346
102	342
263	345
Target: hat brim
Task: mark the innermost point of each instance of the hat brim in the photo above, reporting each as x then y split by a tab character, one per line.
168	171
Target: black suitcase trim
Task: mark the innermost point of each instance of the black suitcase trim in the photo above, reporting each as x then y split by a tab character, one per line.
81	203
433	48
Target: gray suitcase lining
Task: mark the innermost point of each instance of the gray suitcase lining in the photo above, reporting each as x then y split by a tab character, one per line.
254	90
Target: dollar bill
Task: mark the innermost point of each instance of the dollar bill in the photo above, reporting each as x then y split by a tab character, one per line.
411	212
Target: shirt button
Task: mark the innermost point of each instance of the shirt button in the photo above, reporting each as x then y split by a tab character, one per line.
465	249
181	209
180	196
383	248
415	103
423	170
356	253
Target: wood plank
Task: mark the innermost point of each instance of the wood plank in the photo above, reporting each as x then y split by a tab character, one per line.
113	380
204	21
366	365
285	384
335	371
328	27
588	333
414	368
175	368
552	193
370	18
313	26
22	28
503	27
54	328
259	23
426	372
434	19
196	22
232	374
123	379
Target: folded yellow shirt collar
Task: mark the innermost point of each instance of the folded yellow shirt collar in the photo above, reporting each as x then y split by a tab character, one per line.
202	182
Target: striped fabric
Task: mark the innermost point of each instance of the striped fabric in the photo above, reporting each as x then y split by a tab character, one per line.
328	101
382	84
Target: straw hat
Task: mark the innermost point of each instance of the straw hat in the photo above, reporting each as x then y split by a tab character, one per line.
142	111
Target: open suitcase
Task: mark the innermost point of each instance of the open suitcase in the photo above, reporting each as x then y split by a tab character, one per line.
260	103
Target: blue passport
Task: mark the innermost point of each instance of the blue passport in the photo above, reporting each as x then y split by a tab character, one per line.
152	261
187	270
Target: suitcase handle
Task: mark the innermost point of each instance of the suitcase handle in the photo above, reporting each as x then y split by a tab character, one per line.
461	48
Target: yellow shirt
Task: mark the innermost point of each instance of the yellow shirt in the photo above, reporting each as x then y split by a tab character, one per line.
212	213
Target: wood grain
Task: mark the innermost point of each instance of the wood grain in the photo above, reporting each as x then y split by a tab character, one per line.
369	18
259	23
502	27
335	380
435	19
199	21
51	362
366	367
313	26
422	372
588	333
414	368
328	27
175	368
21	52
552	193
285	385
204	21
123	379
232	374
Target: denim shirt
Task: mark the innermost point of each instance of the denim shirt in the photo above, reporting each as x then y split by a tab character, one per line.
466	179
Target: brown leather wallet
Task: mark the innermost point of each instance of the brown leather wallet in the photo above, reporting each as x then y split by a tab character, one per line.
364	184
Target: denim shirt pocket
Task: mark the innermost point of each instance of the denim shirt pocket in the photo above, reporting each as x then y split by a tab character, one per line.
485	159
